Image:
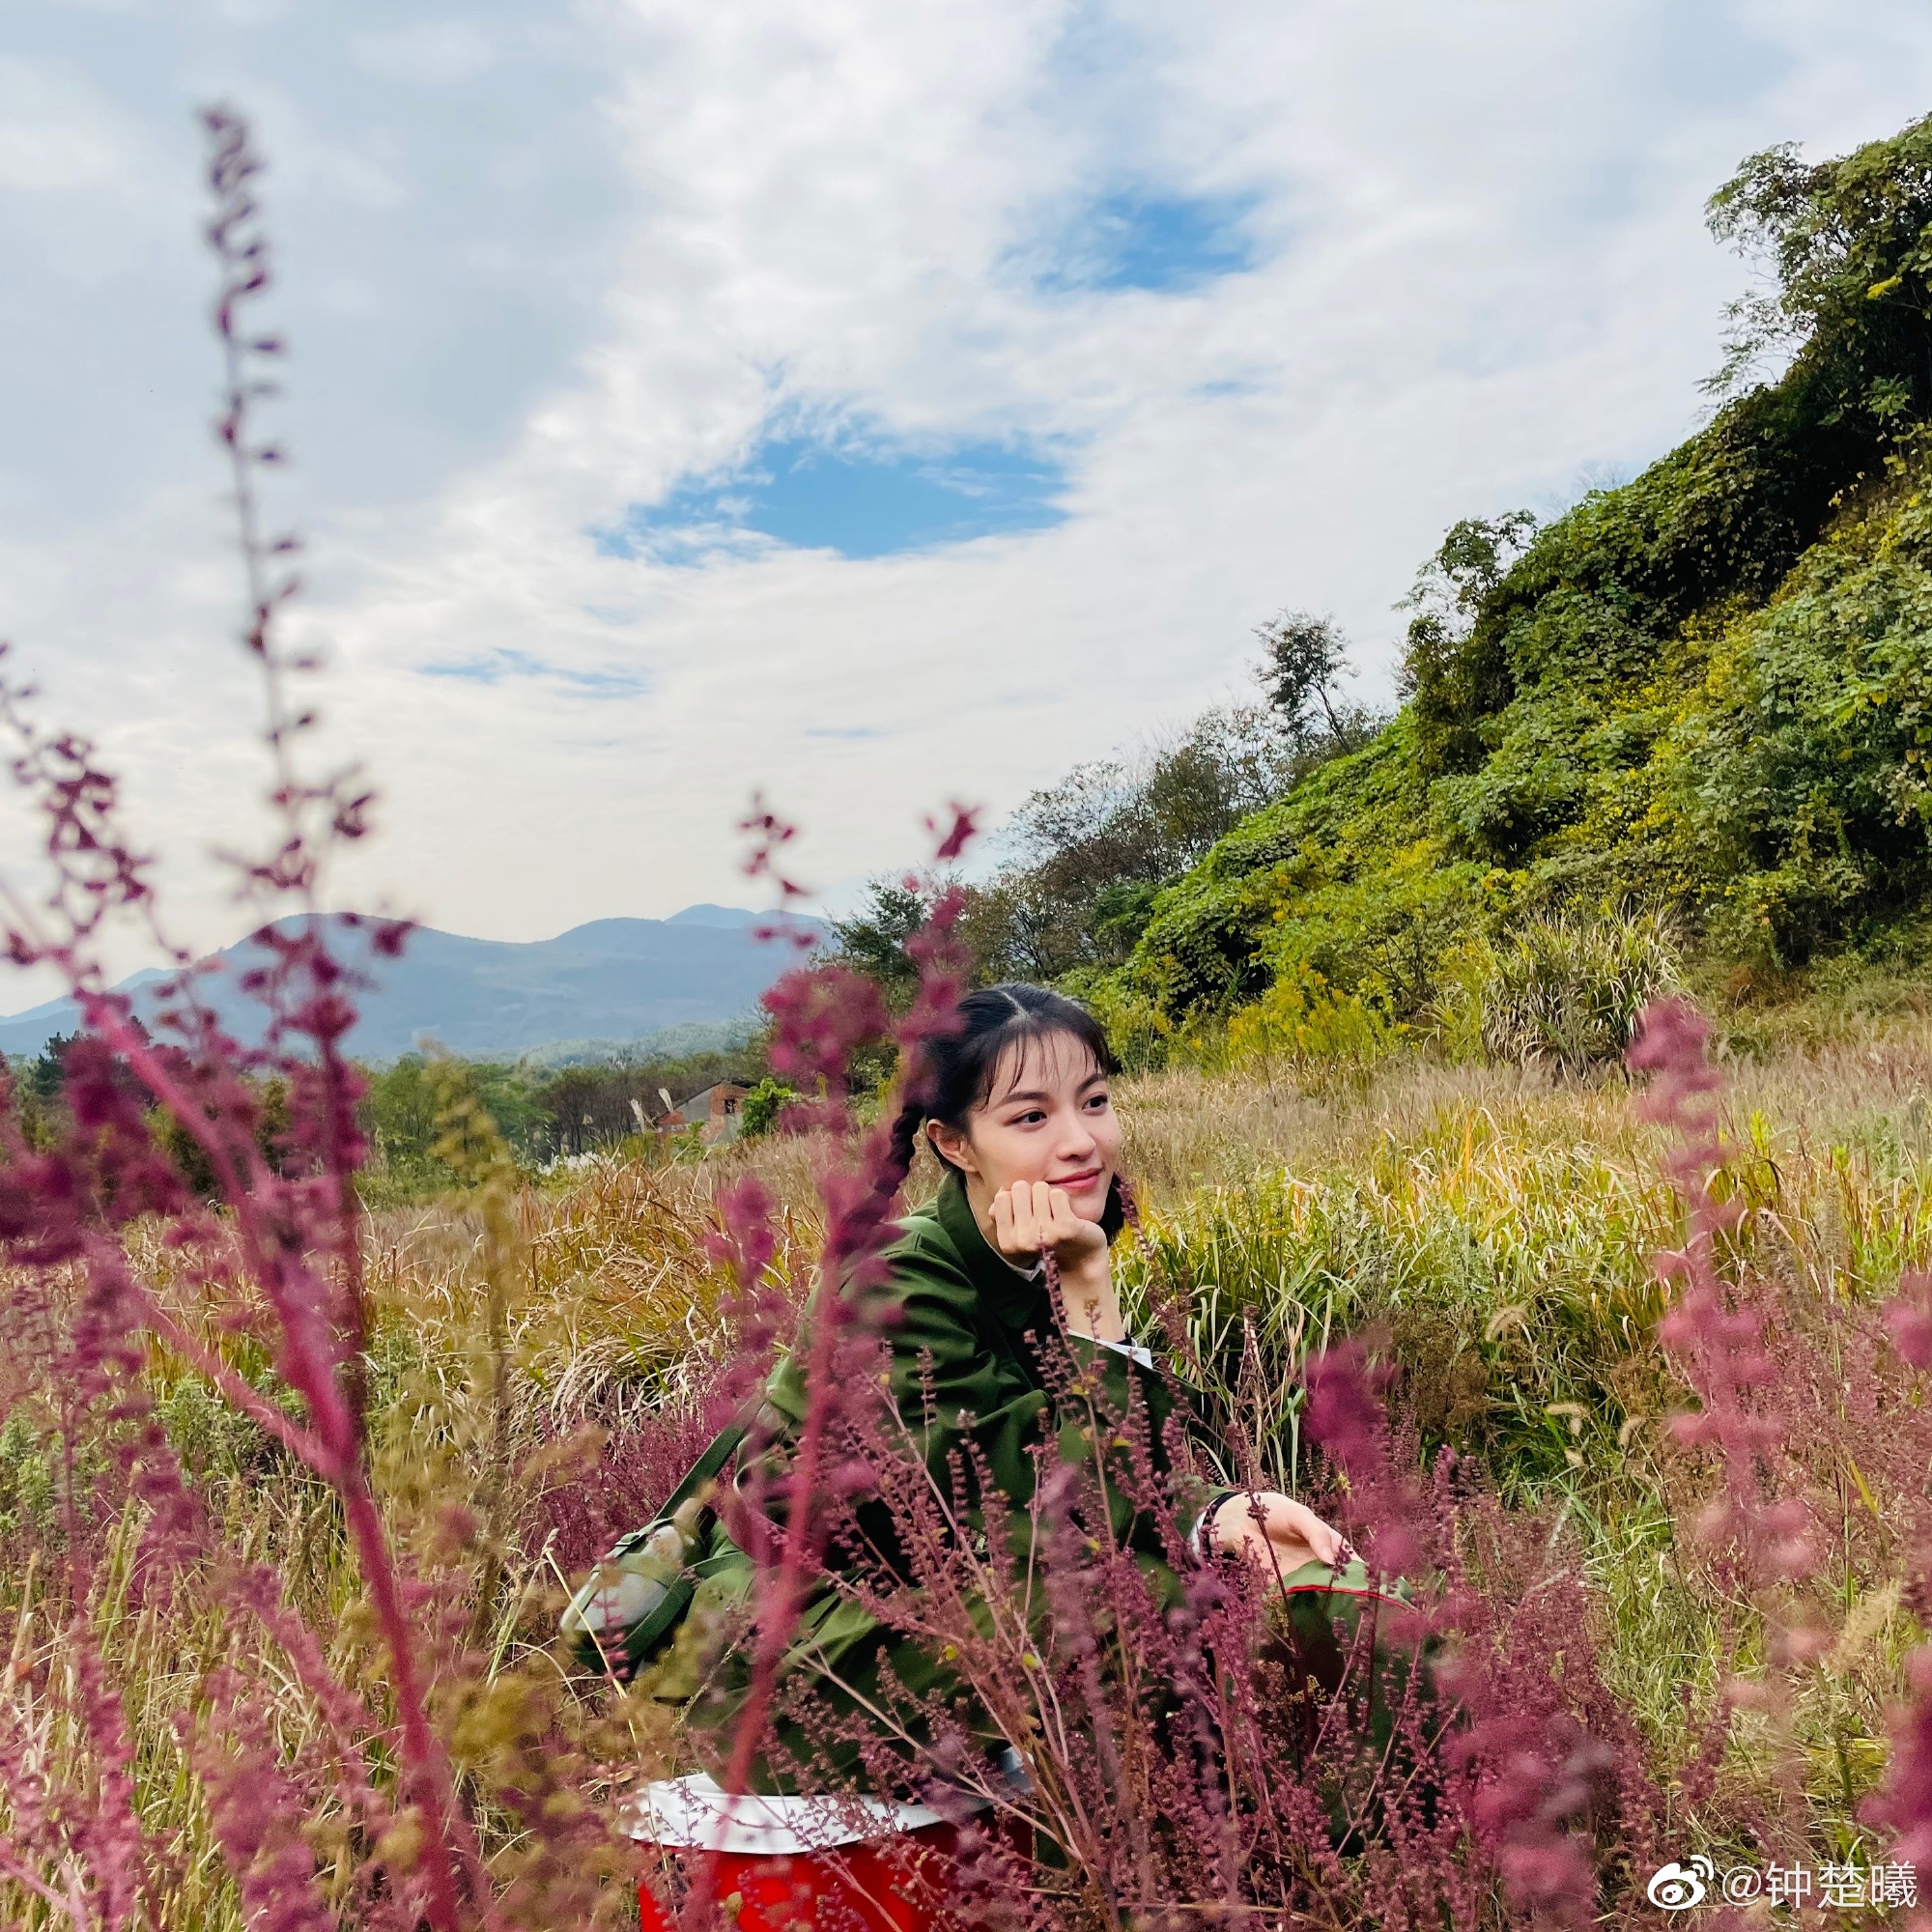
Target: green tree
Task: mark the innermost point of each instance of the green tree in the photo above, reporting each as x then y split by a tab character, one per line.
762	1106
1454	672
1302	656
873	940
46	1072
1094	850
402	1112
1849	243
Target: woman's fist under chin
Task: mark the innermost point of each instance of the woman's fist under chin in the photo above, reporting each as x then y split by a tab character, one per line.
1031	1217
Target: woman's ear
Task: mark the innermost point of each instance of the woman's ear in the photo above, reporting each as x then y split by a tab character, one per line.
952	1146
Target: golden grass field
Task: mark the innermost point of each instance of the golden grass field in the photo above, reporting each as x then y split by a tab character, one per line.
1494	1228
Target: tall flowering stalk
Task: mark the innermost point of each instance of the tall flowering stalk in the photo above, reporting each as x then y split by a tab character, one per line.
169	1123
823	1015
1717	1332
1905	1803
1800	1404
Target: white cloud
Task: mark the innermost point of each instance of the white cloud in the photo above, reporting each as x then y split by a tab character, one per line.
429	53
57	133
559	281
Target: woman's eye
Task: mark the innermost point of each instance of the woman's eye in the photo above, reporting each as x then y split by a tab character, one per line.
1030	1118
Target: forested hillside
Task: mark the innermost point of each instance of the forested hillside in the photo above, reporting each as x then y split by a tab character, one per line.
1704	692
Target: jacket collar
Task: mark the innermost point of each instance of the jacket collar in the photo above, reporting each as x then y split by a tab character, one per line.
1020	1300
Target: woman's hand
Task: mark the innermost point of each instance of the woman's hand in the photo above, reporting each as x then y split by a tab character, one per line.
1275	1533
1031	1218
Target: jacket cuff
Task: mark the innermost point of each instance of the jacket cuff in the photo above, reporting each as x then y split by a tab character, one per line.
1199	1536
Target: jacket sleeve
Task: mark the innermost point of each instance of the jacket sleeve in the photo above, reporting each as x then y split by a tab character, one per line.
953	1386
949	1385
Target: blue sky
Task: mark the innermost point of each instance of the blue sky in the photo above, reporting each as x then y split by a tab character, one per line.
1137	237
855	497
873	405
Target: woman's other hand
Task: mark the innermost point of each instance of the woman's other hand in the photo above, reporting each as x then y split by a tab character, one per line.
1031	1218
1275	1533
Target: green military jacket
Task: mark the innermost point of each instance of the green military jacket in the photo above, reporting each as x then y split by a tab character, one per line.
970	1336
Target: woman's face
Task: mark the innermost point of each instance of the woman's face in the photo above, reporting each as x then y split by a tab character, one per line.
1047	1118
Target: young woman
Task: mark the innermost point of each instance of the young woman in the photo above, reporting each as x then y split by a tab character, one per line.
1014	1104
1017	1109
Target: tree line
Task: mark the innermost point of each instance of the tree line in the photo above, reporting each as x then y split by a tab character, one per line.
542	1113
1087	857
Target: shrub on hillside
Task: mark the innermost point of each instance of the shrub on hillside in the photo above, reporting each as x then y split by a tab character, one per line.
1302	1021
1137	1027
761	1107
1565	992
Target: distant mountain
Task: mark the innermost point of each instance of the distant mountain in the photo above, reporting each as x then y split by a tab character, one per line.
617	981
713	915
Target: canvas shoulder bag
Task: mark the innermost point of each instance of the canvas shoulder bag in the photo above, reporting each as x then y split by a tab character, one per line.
637	1597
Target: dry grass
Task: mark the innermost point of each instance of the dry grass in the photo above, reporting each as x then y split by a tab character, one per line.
1499	1222
1500	1225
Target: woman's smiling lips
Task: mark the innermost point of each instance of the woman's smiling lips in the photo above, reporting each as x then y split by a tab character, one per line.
1077	1184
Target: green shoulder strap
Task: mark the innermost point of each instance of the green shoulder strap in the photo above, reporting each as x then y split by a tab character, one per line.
657	1597
718	1452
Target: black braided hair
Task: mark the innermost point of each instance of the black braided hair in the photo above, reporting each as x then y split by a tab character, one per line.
954	1071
